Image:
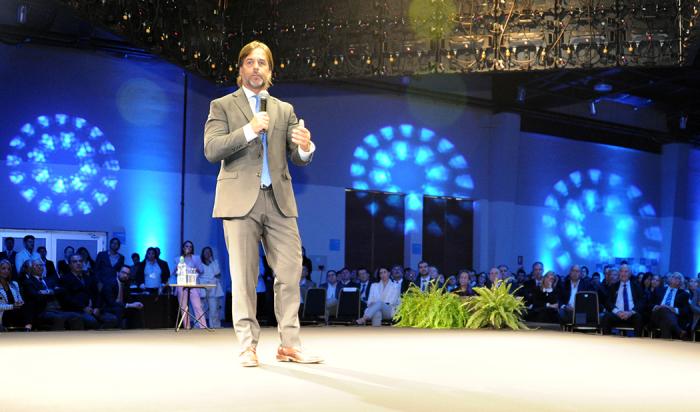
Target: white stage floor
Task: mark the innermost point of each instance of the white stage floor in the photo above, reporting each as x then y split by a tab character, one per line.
366	369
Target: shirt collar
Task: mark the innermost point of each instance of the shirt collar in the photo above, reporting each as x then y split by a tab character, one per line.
249	94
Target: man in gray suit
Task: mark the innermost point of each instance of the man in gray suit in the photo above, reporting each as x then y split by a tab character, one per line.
251	134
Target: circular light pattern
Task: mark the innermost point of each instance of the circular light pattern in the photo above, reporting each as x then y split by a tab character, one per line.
598	217
410	160
62	164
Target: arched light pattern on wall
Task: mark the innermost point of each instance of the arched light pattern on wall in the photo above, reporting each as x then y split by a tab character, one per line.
598	217
412	160
63	165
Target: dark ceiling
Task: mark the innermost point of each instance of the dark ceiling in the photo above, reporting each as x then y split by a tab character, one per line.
641	106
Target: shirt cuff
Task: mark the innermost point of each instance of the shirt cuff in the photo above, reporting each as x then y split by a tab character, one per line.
305	156
249	133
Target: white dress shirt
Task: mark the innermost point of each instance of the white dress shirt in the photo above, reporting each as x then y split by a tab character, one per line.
574	290
250	134
620	303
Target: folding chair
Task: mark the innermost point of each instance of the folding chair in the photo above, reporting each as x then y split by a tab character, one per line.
586	315
314	306
348	310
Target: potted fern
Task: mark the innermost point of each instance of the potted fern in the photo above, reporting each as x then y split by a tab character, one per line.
434	309
495	307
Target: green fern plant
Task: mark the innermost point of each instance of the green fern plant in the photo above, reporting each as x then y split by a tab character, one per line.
435	309
495	307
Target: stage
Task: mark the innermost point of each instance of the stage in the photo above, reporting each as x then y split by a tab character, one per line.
366	369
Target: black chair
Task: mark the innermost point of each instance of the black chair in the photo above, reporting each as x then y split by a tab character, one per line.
348	310
314	306
586	316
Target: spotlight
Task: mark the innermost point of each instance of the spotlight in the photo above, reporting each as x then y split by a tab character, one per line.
592	107
683	121
522	93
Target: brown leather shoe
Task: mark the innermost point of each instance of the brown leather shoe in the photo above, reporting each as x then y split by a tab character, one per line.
285	354
248	358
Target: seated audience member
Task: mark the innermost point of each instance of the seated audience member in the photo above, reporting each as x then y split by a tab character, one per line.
503	270
344	279
494	277
464	287
305	283
64	264
482	279
404	278
423	281
397	274
695	307
49	267
115	297
571	285
625	305
545	301
440	280
80	295
384	297
532	283
451	283
41	301
595	279
88	262
670	308
152	274
363	285
609	280
13	312
332	293
692	287
212	296
433	273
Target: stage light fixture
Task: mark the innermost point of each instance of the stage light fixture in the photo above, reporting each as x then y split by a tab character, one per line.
522	93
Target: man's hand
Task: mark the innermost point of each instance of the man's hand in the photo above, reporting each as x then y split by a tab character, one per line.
260	122
302	136
134	305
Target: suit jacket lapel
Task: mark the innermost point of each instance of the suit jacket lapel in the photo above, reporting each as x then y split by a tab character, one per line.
271	110
241	101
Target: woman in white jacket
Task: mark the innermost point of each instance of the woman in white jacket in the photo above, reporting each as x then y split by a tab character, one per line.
12	310
384	297
212	297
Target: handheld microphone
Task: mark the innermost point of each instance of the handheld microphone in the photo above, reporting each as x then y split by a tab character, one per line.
263	95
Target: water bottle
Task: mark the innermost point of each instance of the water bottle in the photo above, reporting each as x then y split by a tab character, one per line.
182	271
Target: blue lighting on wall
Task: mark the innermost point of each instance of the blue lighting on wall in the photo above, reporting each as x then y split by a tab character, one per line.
411	160
69	142
596	217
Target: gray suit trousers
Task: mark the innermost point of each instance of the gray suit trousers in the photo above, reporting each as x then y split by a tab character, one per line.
282	245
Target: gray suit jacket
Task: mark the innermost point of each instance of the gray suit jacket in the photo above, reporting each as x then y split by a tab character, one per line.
238	182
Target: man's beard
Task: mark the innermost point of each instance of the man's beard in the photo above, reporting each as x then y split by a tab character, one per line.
256	83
